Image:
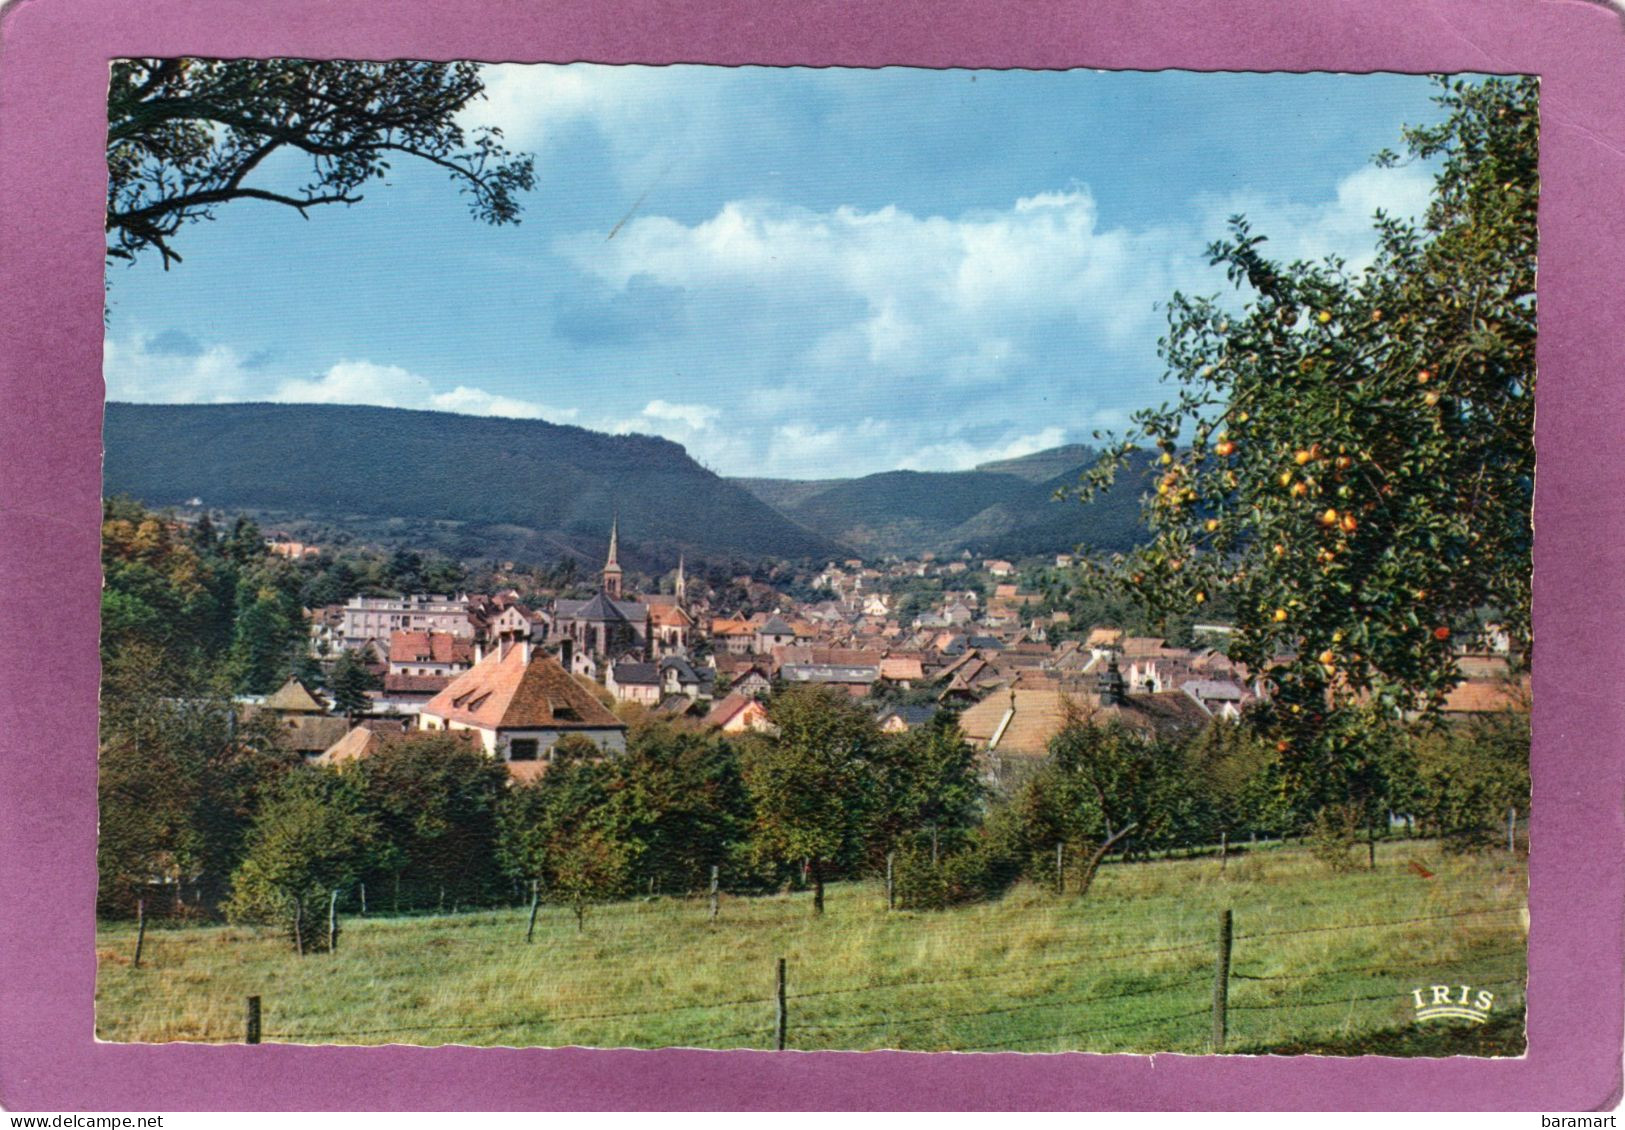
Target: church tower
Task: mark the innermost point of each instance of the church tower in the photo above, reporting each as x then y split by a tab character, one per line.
681	588
612	567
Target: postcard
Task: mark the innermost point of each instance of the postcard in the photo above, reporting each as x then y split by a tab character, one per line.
653	553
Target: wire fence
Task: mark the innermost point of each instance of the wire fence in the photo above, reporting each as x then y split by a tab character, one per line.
1108	998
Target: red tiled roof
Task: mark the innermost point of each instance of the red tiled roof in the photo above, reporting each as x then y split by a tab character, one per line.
416	684
506	693
429	647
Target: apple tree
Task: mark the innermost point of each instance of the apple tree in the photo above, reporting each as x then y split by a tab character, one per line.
1349	461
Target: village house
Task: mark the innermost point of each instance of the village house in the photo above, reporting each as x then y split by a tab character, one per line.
680	677
736	713
902	719
634	682
429	653
1018	725
521	703
303	725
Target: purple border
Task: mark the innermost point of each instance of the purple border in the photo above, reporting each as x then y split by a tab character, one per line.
52	102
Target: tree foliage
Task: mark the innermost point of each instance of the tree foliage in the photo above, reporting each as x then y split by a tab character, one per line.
179	781
185	136
313	836
435	801
1350	461
808	782
348	683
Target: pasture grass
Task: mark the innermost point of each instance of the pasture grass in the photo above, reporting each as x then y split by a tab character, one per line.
1321	962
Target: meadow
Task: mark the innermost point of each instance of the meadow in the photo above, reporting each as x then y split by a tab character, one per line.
1321	962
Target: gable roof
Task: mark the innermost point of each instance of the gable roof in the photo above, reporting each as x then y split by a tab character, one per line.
504	692
669	616
1022	722
364	741
901	668
729	707
910	716
636	674
293	697
429	647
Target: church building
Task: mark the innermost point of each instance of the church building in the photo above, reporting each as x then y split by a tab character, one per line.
608	627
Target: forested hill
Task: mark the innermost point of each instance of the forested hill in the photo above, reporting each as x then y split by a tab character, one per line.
1003	509
471	486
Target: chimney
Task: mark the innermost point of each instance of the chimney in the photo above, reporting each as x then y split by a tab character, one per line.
524	650
566	652
479	653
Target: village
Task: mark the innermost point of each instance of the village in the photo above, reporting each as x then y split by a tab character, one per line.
518	676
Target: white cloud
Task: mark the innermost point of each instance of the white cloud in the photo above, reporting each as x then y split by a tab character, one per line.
390	386
648	116
133	372
219	374
958	455
698	417
930	296
1341	226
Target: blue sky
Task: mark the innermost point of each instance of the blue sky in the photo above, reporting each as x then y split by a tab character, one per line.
830	272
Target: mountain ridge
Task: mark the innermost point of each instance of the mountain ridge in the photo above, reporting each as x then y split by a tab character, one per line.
535	486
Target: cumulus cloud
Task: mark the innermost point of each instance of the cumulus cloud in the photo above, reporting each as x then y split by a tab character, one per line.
1341	226
645	115
697	416
960	455
390	386
137	369
145	369
927	295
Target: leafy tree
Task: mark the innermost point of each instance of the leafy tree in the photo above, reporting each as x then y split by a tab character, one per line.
554	833
1468	776
928	786
678	802
313	836
1350	460
262	644
179	779
435	800
348	684
810	783
185	136
1102	784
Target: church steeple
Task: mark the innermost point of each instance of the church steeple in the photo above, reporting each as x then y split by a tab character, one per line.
612	567
681	588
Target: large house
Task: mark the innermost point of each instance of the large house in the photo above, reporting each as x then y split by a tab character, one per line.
521	703
429	653
373	618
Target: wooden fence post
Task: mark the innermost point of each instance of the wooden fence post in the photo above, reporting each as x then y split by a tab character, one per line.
299	925
781	1019
363	900
333	920
252	1035
891	883
1512	830
140	929
1060	873
535	902
1221	983
716	902
1224	850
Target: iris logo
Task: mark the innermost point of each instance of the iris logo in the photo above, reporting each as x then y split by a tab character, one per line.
1461	1001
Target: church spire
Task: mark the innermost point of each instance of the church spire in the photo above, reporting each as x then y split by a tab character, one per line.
612	567
681	588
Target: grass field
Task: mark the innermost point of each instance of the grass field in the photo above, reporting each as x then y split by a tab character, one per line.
1321	962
